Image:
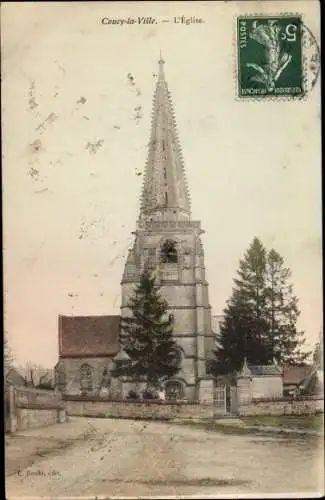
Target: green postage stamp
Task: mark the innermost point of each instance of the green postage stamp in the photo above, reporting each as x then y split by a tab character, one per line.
270	56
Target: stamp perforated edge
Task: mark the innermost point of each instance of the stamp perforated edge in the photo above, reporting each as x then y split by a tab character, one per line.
304	63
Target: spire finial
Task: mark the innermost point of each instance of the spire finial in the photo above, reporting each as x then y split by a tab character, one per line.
161	62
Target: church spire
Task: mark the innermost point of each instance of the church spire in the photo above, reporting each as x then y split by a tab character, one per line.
165	193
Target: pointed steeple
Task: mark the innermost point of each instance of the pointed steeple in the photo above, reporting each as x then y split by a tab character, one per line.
165	193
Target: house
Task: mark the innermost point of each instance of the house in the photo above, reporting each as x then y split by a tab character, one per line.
259	381
305	379
15	378
294	377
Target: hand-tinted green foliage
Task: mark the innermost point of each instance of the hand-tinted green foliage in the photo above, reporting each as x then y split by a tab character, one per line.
261	315
147	336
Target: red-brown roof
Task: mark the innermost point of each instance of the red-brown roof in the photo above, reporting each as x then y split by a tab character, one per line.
293	375
88	336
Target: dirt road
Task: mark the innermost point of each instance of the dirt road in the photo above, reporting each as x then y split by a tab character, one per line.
96	457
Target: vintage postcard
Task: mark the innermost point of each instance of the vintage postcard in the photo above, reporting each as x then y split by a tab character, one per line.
162	249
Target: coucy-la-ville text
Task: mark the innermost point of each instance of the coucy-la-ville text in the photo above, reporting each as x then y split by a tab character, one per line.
151	20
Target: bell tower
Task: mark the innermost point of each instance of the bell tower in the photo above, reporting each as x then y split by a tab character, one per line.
169	241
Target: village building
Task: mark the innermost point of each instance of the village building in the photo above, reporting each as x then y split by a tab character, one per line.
259	382
169	242
14	377
87	346
305	379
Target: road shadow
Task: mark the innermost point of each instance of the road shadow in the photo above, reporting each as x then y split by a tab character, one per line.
205	481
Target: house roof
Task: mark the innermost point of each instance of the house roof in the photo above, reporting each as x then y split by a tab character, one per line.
14	377
295	375
264	370
249	370
88	336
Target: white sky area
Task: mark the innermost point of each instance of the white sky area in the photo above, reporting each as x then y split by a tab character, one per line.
253	168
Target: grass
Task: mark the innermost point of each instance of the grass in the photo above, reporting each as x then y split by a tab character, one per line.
301	422
293	422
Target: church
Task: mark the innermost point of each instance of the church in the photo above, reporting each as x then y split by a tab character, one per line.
169	241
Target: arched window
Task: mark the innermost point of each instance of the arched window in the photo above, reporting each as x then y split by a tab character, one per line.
86	378
176	355
173	390
168	252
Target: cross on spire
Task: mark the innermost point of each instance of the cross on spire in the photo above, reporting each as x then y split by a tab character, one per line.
161	63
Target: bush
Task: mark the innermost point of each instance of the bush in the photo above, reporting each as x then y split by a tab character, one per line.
45	386
149	395
132	395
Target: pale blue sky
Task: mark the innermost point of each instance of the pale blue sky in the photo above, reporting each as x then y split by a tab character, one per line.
253	168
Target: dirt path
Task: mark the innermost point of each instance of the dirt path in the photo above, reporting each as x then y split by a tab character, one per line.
127	458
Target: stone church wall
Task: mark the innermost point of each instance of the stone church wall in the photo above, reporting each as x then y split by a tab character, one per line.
184	321
188	344
180	295
71	368
187	370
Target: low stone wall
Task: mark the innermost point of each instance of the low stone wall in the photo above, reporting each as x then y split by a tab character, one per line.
33	418
139	410
30	408
294	407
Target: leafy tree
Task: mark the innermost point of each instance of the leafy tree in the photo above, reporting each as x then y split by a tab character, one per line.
146	336
260	316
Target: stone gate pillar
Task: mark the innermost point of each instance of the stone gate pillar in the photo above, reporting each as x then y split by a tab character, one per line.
206	390
244	385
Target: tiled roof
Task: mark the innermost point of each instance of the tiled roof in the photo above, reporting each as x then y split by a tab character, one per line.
88	336
264	369
295	374
14	377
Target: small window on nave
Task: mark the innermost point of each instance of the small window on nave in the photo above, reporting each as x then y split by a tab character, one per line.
168	253
86	378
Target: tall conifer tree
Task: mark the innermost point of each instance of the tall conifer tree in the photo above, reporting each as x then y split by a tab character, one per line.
147	336
260	317
282	313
